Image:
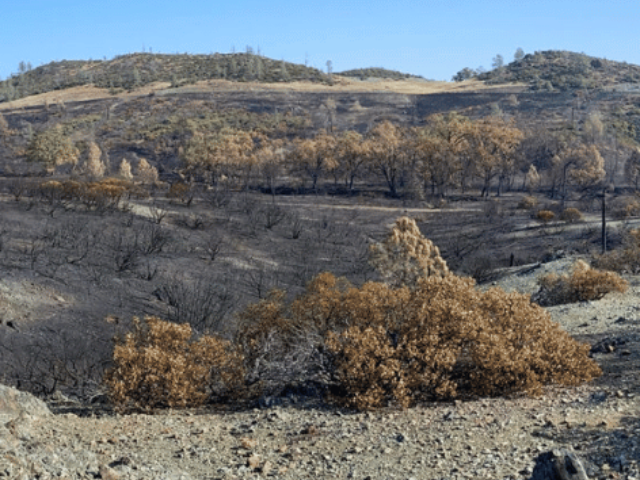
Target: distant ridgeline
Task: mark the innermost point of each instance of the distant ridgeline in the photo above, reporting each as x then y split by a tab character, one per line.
562	70
127	72
365	73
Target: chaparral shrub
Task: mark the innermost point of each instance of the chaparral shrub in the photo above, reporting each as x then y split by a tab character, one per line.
545	216
158	364
405	255
444	339
434	337
583	284
571	215
528	202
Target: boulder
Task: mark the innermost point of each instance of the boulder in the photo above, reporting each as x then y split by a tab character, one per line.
14	403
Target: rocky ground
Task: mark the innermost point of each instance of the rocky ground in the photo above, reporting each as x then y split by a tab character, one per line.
302	439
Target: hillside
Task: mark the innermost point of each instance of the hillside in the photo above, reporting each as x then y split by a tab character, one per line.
297	437
126	72
562	70
376	72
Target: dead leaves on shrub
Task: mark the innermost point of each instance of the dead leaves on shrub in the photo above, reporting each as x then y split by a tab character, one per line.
158	365
582	285
427	335
454	340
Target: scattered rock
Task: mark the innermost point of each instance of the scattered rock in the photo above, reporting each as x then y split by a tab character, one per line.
14	402
107	473
248	443
253	461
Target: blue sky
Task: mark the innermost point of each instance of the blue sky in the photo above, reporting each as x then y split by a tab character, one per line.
431	38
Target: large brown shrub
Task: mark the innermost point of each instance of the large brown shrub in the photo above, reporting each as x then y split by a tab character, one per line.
428	334
394	346
583	284
157	364
444	339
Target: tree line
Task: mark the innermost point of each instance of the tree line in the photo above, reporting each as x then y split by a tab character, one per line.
450	153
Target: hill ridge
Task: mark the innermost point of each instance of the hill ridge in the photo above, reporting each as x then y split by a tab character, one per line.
131	71
563	70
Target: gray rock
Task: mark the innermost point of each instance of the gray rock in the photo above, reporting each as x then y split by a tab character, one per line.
559	464
14	402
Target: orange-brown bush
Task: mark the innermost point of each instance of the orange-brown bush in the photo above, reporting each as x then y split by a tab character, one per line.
428	334
625	259
584	284
545	216
98	195
445	338
405	255
528	202
571	215
157	364
441	338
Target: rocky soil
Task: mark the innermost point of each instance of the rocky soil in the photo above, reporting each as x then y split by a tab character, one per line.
303	439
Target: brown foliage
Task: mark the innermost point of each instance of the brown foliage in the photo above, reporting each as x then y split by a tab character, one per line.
545	216
157	364
528	202
429	335
98	195
571	215
405	255
445	339
584	284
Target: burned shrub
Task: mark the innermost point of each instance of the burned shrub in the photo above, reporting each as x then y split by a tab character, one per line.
624	259
571	215
203	303
446	339
545	216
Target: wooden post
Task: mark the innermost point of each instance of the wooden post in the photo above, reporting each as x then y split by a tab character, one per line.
604	220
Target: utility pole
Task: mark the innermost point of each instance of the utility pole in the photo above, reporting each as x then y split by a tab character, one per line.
604	219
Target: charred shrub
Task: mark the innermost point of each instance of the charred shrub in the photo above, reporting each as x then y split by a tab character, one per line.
379	345
624	259
545	216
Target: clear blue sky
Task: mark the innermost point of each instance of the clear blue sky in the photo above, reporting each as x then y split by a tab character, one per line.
431	38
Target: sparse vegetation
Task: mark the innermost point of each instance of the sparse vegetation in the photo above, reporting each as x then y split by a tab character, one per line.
139	69
563	70
365	73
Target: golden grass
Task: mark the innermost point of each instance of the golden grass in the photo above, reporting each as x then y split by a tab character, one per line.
342	84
